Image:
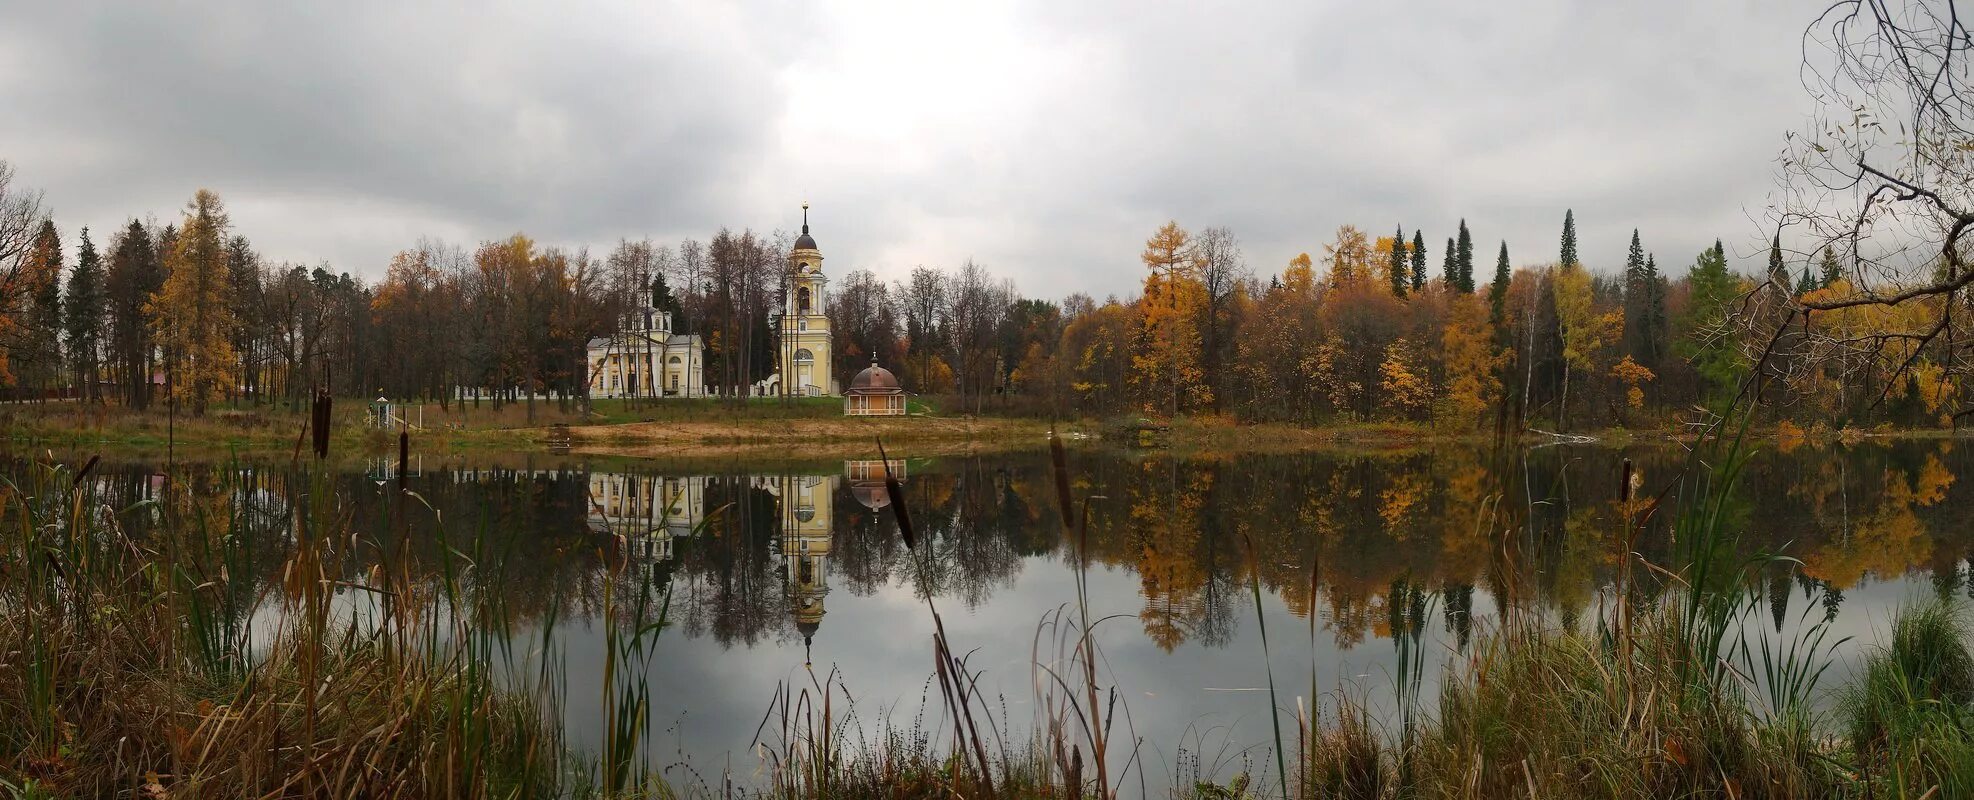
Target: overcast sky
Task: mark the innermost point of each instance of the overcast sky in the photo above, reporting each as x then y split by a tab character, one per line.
1045	140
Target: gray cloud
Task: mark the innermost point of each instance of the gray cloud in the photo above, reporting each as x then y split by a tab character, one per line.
1046	140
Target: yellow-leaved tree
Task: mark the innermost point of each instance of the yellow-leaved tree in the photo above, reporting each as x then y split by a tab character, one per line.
1472	361
1349	257
1300	276
1585	332
1167	367
1633	375
191	314
1402	378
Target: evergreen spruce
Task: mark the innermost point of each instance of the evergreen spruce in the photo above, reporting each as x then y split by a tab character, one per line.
1807	284
1778	272
136	271
1713	289
43	364
1450	265
1569	258
83	317
1418	261
663	299
1832	271
1397	267
1466	259
1497	292
1658	326
1634	261
1635	299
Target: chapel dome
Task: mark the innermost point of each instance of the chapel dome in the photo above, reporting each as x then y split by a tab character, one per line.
871	495
875	380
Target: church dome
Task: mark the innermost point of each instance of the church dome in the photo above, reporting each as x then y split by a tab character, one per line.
875	380
805	241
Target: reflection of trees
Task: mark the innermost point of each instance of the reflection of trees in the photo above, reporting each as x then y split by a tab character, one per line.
729	585
1888	536
1532	527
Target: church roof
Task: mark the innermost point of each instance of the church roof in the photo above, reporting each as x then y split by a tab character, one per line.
875	380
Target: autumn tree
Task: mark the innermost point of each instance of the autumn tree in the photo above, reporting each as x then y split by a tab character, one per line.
1585	331
1096	353
979	303
1168	365
1348	257
1404	386
861	321
922	299
1223	276
1632	375
20	271
192	315
1300	276
40	353
1472	361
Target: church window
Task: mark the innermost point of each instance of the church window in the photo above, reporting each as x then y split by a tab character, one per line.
802	300
675	359
803	356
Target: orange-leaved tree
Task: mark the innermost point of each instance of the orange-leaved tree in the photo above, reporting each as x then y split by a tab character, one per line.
1472	359
1166	366
192	314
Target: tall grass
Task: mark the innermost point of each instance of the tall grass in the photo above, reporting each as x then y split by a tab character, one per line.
136	666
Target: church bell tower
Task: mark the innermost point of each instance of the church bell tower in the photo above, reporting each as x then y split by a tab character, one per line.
807	365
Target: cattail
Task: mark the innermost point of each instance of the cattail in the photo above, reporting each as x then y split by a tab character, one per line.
84	473
896	492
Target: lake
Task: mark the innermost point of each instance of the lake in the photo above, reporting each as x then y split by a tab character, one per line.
776	578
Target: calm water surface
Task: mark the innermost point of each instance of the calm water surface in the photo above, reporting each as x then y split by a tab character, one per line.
778	572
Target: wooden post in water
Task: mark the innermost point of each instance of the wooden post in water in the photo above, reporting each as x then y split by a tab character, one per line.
319	422
404	449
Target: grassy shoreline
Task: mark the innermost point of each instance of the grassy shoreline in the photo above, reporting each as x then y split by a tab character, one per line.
765	428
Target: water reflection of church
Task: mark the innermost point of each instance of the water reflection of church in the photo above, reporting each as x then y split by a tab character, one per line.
653	512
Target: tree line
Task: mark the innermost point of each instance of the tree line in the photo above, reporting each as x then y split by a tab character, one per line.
1366	332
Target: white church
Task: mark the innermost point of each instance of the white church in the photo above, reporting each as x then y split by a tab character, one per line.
646	359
